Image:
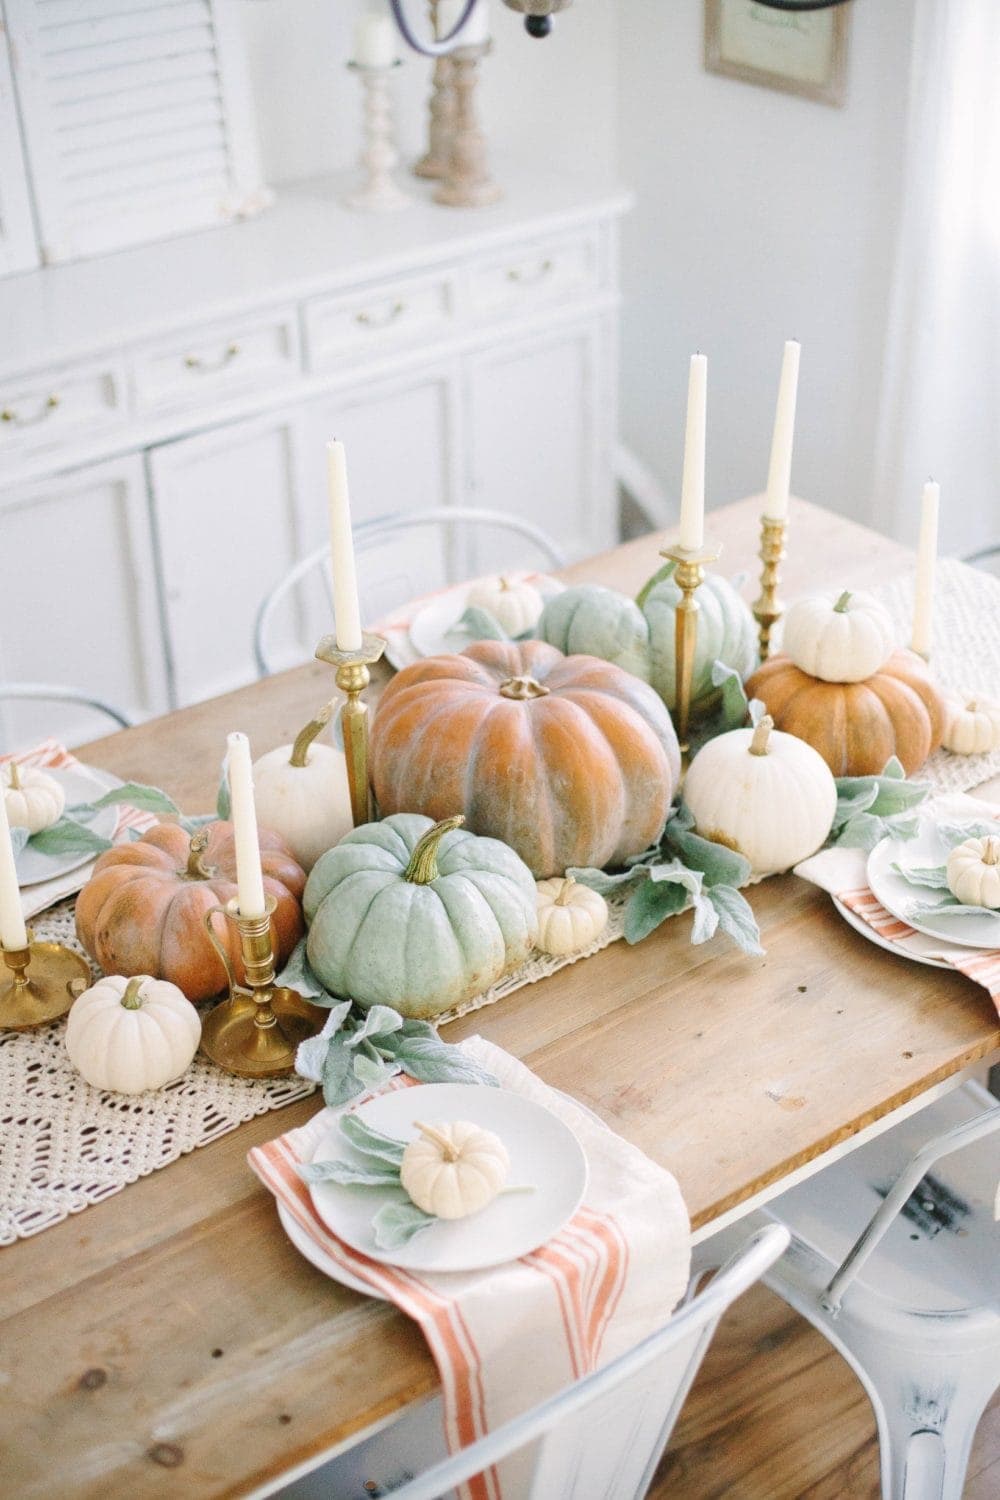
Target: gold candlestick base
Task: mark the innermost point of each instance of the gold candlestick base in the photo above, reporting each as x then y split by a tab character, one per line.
769	609
45	979
353	677
256	1031
688	575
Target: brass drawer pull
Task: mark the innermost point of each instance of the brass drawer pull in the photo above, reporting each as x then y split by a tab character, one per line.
10	415
208	367
528	278
369	320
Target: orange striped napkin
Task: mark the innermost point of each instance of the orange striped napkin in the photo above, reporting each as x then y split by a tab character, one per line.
975	963
505	1339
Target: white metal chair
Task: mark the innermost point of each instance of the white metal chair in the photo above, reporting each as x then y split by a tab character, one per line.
913	1304
601	1439
52	692
368	536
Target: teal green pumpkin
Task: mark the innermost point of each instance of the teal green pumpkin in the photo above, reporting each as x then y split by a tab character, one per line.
638	635
417	915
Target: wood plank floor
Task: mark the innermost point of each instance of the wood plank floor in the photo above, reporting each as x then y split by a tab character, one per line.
776	1414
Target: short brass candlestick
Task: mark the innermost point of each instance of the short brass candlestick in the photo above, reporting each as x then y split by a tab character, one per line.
688	575
45	979
769	609
255	1032
353	677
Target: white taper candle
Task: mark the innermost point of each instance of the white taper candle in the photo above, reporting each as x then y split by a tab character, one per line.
692	528
376	41
346	610
12	930
779	474
249	878
923	604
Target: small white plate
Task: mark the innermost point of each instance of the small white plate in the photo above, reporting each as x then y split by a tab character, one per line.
32	865
898	895
543	1152
900	949
433	629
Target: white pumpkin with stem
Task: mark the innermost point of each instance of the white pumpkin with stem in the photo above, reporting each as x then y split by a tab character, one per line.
301	791
842	639
33	800
132	1035
974	872
513	602
766	794
972	726
570	916
454	1168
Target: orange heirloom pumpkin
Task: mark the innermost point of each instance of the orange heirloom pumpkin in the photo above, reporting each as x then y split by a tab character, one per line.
142	911
856	726
569	760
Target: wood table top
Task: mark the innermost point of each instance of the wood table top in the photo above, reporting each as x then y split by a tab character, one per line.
171	1341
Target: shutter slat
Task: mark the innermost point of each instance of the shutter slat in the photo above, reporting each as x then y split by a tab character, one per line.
100	86
136	105
119	57
104	31
102	172
172	123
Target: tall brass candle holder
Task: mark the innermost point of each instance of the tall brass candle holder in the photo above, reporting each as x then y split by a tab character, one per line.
689	575
44	980
769	609
353	677
255	1031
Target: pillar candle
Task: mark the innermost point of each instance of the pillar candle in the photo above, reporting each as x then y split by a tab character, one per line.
476	29
923	605
249	879
779	474
375	41
346	610
12	931
692	529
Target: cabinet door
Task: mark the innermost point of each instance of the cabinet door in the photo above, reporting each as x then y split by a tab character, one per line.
79	600
18	250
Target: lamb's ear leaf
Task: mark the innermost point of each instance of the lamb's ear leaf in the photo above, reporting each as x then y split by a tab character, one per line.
395	1224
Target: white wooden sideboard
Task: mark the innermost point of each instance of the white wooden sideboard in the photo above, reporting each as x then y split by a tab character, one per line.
164	410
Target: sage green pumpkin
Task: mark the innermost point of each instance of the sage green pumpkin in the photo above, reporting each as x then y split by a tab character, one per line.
417	915
638	634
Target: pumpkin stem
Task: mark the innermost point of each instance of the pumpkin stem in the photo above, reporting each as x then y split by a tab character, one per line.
840	608
131	999
971	707
523	688
15	777
661	574
447	1147
565	891
196	866
422	868
303	740
761	735
504	584
991	851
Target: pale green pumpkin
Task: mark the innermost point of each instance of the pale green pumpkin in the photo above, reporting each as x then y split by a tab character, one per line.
417	915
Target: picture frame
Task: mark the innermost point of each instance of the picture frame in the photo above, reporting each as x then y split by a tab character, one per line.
797	52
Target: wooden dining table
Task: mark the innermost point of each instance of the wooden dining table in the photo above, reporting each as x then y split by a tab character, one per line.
170	1341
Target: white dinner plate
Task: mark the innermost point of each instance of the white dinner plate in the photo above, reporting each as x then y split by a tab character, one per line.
80	786
433	629
859	925
317	1256
543	1153
899	896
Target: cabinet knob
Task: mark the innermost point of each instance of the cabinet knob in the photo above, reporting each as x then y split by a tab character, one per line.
10	414
207	366
372	320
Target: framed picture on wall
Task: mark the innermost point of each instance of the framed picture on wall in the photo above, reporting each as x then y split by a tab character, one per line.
800	52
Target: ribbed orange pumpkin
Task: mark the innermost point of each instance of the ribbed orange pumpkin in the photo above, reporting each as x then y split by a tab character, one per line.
856	726
143	909
567	759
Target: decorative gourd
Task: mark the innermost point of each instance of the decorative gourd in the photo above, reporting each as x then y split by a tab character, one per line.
301	791
416	915
856	726
131	1035
843	638
34	801
766	794
143	909
567	759
514	603
972	726
570	916
639	635
454	1169
974	872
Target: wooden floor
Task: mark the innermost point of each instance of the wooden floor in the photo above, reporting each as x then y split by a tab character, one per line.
776	1415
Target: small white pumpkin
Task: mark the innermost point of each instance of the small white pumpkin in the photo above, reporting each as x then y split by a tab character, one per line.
972	726
974	872
34	800
514	603
454	1168
131	1035
766	794
570	916
839	639
301	791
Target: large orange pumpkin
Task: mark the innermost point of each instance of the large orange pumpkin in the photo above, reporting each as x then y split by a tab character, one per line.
856	726
143	909
569	760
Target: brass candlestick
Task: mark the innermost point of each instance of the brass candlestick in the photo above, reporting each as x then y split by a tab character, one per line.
769	609
45	979
255	1031
688	575
353	677
467	182
434	162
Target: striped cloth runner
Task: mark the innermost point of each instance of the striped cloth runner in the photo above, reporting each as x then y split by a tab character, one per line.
983	967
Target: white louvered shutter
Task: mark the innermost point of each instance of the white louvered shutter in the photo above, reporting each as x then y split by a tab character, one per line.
18	248
136	118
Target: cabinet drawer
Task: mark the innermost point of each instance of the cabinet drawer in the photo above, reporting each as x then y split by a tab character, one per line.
528	275
57	405
214	361
378	319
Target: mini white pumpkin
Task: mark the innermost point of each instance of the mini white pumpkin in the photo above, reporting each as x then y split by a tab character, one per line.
131	1035
301	791
972	726
766	794
839	639
570	916
34	800
454	1168
514	603
974	872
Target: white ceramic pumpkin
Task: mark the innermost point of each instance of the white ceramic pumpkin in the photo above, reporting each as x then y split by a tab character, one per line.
570	916
971	726
454	1168
766	794
513	602
974	872
301	791
34	800
131	1035
839	639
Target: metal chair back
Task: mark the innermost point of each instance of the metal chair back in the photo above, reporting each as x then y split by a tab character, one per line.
51	692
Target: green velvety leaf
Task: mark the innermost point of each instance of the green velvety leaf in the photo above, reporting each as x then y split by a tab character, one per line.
675	872
479	625
340	1083
935	877
346	1174
603	883
18	839
863	831
855	794
430	1060
68	837
649	905
223	804
896	797
718	865
395	1224
706	919
736	919
371	1142
298	975
949	909
893	769
133	794
735	706
311	1054
372	1071
953	834
380	1020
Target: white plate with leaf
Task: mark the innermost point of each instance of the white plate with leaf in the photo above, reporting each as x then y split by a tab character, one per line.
544	1188
437	628
42	858
908	877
